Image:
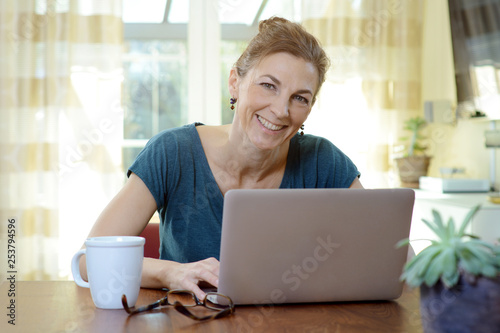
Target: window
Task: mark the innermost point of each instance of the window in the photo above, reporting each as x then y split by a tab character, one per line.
155	89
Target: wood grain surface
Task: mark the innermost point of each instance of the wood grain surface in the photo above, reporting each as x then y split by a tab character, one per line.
62	306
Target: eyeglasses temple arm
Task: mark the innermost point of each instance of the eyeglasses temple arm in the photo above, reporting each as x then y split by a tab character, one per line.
143	308
182	309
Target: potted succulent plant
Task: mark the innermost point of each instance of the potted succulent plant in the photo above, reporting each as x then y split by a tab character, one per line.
414	163
459	279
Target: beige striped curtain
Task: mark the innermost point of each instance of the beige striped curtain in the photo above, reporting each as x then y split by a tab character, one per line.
374	83
60	126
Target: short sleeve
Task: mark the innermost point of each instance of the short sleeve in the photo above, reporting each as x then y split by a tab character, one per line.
151	167
315	162
341	166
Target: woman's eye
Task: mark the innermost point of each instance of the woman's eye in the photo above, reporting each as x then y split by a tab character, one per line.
301	99
268	85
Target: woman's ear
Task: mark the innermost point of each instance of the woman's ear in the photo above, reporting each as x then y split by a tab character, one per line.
234	81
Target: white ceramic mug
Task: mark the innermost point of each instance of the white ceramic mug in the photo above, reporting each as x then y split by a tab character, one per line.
114	268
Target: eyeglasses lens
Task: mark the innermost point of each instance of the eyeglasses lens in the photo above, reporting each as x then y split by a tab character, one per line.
217	301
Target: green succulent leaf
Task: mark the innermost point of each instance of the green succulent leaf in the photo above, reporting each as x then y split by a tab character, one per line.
451	254
469	262
480	243
470	236
467	220
451	228
439	232
497	260
415	269
449	264
481	253
451	278
428	257
435	270
489	271
437	220
402	243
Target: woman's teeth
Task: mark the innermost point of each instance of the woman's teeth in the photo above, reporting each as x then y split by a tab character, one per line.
268	125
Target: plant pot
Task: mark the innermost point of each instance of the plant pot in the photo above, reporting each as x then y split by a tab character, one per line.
467	307
411	168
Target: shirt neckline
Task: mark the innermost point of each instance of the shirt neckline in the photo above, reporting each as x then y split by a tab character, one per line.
199	149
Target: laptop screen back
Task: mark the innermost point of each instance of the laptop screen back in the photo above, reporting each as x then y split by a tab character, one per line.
313	245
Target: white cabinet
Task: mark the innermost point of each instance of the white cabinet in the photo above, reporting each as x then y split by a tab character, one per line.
485	224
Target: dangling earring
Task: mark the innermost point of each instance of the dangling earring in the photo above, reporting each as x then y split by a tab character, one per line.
302	129
232	101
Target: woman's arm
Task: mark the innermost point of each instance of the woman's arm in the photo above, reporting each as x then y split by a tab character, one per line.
356	183
127	214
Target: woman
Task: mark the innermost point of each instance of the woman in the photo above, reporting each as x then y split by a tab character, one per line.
185	172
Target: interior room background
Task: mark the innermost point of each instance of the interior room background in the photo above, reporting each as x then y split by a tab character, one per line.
85	83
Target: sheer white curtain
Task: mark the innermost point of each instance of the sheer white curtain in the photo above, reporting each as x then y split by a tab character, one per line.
374	83
61	127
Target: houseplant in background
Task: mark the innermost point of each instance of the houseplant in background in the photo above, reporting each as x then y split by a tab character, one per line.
459	279
414	163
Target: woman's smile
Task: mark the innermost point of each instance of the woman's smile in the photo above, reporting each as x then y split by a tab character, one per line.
268	125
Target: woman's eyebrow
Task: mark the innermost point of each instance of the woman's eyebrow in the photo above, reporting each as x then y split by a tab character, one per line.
273	78
304	91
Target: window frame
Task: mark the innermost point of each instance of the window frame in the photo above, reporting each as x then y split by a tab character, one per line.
177	32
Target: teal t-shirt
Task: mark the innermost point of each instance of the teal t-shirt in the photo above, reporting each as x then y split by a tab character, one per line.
174	167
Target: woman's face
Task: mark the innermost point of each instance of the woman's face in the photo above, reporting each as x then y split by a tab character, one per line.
274	98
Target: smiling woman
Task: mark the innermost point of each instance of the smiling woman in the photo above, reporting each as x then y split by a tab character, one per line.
184	172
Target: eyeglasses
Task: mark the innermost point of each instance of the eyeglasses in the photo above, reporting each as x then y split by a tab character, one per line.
183	299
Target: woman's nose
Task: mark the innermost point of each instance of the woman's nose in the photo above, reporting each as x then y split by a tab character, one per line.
280	107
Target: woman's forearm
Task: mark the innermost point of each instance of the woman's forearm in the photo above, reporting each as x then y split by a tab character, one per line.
154	273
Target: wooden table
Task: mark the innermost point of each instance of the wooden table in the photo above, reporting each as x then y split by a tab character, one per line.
62	306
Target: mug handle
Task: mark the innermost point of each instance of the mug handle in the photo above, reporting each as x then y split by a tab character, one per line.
75	269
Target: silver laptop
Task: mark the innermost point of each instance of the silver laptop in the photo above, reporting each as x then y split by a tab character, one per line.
313	245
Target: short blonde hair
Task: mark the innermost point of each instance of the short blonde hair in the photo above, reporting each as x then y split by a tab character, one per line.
276	35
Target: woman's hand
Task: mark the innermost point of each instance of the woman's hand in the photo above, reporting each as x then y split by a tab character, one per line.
188	276
174	275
